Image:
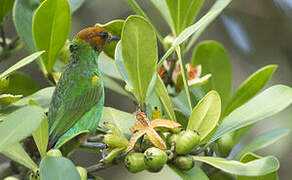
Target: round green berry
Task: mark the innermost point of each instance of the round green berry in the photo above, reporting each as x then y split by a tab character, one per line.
134	162
184	162
155	159
186	141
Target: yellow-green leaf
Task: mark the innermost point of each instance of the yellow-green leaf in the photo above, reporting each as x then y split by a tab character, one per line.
41	136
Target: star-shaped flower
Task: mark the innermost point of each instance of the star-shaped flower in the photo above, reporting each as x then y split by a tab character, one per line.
144	126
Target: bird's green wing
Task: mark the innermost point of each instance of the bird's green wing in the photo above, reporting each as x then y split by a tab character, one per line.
73	107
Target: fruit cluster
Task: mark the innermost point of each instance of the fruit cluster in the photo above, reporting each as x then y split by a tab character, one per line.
153	159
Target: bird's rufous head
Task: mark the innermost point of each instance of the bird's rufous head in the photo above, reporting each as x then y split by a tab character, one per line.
96	37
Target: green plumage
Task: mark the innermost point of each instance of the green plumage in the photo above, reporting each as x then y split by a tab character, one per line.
77	102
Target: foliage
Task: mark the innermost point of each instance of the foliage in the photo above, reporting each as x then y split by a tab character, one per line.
169	107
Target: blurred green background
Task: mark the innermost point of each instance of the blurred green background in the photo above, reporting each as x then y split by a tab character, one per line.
255	33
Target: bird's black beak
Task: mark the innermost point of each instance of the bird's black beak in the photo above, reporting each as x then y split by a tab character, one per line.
114	38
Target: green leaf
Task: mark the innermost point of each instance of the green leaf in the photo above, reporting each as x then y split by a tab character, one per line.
139	51
161	5
153	102
250	87
115	28
42	97
108	66
181	118
58	168
75	4
18	154
205	115
197	28
180	101
22	16
21	63
263	141
6	99
41	136
19	124
5	8
216	10
114	86
50	29
279	97
251	157
196	173
21	84
183	12
162	93
121	66
214	59
254	168
120	119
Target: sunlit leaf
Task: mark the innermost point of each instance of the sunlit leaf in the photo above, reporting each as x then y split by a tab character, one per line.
51	27
139	51
263	141
253	168
58	168
19	124
41	136
17	153
21	63
196	173
278	96
205	115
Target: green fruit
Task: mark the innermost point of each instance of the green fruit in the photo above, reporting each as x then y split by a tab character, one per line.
155	159
54	152
186	141
10	178
225	144
82	172
35	175
184	162
134	162
172	139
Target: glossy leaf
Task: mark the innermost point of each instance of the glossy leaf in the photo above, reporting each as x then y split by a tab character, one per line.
51	27
197	28
17	153
120	119
161	91
139	51
22	16
58	168
196	173
121	65
115	28
221	176
108	67
41	137
21	63
279	97
183	12
250	87
205	115
75	5
253	168
19	124
263	141
6	99
41	97
180	101
214	60
5	8
251	157
21	84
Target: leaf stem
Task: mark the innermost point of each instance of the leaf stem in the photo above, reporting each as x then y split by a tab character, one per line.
184	75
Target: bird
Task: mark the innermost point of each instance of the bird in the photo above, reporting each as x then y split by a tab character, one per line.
78	99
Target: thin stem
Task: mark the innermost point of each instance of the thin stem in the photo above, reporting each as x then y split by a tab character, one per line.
98	167
184	75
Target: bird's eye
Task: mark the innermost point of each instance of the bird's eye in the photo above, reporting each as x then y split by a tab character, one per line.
103	35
